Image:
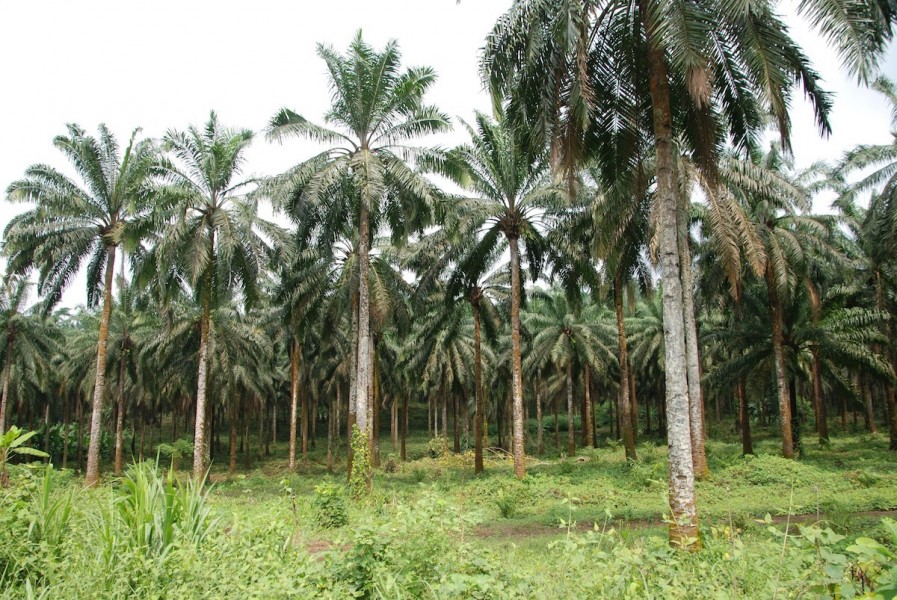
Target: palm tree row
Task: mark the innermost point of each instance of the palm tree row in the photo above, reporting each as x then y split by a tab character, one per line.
383	285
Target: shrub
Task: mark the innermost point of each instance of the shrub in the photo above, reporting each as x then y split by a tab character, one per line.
437	446
329	504
391	465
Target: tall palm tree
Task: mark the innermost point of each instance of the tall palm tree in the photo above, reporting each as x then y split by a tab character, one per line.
776	202
705	67
511	192
73	222
377	108
216	242
876	228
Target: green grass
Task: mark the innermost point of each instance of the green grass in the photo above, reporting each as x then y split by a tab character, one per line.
434	529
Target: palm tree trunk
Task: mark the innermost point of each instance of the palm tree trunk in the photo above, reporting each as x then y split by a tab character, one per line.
540	444
891	405
402	453
818	400
394	423
456	426
747	445
692	354
516	369
557	435
273	437
868	412
260	421
7	371
303	408
478	415
778	348
625	405
65	430
352	415
120	415
571	439
683	506
199	423
232	441
445	431
376	408
796	416
890	399
80	411
294	401
331	427
364	364
633	403
587	399
92	475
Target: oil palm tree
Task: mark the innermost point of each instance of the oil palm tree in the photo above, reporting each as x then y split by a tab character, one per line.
564	336
88	220
510	191
875	229
377	109
28	339
775	201
216	242
706	68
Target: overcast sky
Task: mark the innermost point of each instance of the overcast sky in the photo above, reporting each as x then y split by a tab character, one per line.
165	64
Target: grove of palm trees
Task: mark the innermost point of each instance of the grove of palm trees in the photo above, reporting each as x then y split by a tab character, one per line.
613	339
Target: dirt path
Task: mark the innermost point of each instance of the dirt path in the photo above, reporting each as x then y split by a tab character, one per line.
524	530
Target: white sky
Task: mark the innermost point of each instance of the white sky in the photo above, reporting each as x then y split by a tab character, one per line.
165	64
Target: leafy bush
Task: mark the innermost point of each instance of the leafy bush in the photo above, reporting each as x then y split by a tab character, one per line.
391	465
329	503
437	446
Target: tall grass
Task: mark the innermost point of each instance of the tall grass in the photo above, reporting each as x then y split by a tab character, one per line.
157	511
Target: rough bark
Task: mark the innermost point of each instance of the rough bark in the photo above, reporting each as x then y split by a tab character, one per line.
232	441
516	369
889	330
352	416
868	412
587	399
692	353
92	476
65	431
80	411
633	403
303	415
623	356
120	416
571	439
333	409
456	426
778	348
294	402
402	453
199	424
7	371
747	444
540	444
478	382
683	506
363	364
